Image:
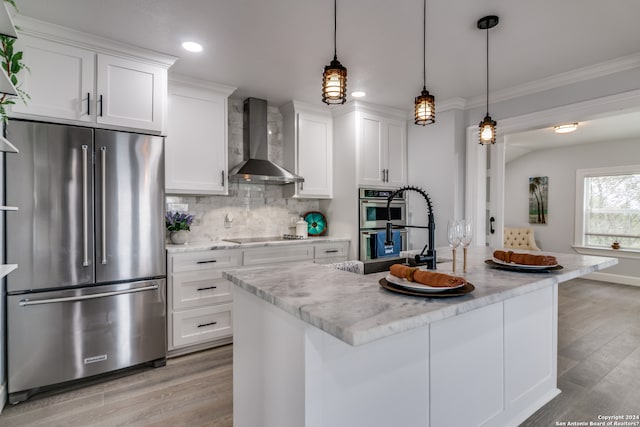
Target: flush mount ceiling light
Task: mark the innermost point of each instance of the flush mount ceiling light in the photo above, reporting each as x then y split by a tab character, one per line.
192	46
488	125
424	105
566	128
334	78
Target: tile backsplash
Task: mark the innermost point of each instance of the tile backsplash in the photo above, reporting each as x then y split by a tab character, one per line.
257	210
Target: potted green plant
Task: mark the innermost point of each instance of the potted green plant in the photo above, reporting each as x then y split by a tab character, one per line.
12	64
178	224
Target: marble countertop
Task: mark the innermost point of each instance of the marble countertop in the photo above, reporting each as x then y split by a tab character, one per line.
356	309
219	244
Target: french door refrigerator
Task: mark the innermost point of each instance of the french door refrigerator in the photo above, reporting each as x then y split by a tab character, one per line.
88	296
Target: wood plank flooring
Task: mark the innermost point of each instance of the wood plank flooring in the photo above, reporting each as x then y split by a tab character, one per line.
598	368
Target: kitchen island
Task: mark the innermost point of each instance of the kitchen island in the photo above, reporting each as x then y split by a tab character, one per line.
316	347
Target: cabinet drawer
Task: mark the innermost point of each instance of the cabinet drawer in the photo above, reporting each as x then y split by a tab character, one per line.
270	254
201	324
205	260
198	288
332	250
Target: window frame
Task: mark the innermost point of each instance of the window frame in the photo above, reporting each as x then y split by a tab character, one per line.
579	229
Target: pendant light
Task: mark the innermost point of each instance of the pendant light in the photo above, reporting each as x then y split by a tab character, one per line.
488	125
334	78
424	105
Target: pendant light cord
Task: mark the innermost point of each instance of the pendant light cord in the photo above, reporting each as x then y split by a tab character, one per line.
424	46
335	29
487	71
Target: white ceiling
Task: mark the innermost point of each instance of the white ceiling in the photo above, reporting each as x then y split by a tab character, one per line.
606	129
276	49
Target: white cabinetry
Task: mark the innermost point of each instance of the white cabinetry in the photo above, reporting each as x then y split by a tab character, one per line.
130	93
199	300
196	143
383	151
76	78
308	149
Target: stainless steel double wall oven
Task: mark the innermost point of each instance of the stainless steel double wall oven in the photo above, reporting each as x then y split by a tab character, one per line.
373	220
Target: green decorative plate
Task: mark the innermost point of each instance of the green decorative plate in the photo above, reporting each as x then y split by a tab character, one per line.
317	223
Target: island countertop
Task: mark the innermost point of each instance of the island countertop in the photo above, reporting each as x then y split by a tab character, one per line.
357	310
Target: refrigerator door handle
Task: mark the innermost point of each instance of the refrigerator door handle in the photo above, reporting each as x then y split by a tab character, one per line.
26	302
85	207
103	151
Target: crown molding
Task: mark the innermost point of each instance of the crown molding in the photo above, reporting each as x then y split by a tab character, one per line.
360	106
575	76
45	30
200	84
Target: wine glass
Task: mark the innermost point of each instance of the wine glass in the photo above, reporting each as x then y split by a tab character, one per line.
453	237
466	235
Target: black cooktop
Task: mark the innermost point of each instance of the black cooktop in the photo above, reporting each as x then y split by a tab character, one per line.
262	239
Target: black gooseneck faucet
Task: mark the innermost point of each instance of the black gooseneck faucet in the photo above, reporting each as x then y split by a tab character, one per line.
430	257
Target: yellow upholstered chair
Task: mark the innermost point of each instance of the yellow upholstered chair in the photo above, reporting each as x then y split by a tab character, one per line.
520	238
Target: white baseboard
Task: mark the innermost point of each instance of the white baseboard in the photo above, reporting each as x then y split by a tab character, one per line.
614	278
3	396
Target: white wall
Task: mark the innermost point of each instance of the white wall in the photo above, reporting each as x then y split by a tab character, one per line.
436	164
560	166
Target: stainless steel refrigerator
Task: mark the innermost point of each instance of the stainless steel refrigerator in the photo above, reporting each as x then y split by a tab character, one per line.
88	296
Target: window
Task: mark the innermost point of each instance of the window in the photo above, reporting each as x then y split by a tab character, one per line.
608	207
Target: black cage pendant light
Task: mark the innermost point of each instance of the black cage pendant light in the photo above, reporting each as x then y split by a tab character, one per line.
334	78
488	125
424	105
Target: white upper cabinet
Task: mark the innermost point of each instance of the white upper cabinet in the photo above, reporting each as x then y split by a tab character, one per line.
130	93
76	78
196	143
383	151
308	150
71	95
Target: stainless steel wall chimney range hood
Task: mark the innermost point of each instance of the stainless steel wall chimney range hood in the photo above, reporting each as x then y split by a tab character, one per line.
257	168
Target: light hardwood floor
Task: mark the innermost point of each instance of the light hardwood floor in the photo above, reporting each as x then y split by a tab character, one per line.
598	368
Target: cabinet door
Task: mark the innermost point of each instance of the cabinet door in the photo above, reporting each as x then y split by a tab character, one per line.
196	144
130	93
59	81
315	155
372	165
396	153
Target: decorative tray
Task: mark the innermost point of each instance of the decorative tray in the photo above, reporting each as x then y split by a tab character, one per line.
523	268
468	287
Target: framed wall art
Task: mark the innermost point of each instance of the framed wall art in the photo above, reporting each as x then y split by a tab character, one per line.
538	200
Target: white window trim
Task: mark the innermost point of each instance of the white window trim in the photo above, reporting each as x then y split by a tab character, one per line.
578	240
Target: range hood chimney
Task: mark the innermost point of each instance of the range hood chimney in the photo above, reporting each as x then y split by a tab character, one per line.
256	167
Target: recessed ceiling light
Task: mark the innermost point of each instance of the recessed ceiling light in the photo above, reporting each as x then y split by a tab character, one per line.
566	128
358	94
192	46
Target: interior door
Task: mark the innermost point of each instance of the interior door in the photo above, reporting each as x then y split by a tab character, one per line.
495	194
129	200
50	182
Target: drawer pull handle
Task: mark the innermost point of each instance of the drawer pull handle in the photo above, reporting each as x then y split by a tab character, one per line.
208	287
206	262
331	251
206	324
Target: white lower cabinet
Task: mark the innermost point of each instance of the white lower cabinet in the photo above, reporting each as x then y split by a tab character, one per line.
200	300
202	324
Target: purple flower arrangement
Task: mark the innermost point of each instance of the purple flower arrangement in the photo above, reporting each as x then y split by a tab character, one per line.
176	221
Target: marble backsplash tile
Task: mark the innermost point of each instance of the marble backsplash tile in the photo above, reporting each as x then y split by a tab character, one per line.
258	210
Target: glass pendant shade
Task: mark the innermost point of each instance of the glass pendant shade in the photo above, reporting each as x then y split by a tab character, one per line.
425	108
334	83
487	131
